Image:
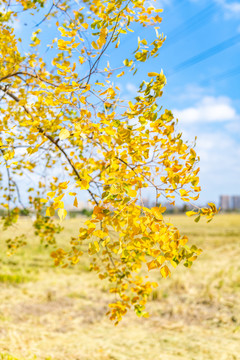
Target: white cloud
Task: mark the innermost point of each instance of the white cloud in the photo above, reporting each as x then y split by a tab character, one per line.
191	92
219	164
234	128
208	110
232	9
16	24
217	152
216	123
131	88
158	4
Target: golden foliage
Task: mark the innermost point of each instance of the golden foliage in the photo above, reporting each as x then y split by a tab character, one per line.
111	149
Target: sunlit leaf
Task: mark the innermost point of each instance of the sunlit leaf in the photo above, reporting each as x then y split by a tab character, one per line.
64	134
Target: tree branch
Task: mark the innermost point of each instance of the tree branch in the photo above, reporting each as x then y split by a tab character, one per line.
51	139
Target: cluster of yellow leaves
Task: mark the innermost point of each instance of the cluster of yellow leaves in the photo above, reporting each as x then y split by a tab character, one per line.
64	118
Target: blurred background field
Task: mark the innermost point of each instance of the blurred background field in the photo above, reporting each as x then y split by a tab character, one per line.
59	314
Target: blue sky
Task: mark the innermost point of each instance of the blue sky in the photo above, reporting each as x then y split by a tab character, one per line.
202	91
206	103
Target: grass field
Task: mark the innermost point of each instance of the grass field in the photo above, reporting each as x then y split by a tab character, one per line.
59	314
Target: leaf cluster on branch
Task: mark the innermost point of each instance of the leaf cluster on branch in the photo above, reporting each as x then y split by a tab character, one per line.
64	122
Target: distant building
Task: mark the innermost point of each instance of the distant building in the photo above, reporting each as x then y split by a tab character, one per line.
236	202
230	202
225	202
146	202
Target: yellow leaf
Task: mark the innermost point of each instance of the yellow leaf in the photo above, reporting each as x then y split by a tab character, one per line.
183	241
213	207
183	192
94	45
152	74
58	204
64	134
190	213
121	74
84	185
97	248
192	258
157	213
9	155
75	259
51	194
132	107
82	100
50	211
75	203
62	185
154	264
161	259
58	198
81	59
99	233
173	263
165	272
62	213
132	193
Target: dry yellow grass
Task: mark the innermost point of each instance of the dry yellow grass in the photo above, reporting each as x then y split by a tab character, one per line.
51	313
